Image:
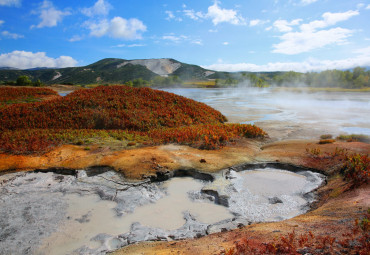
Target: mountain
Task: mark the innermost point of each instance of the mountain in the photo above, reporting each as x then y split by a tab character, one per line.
8	68
111	70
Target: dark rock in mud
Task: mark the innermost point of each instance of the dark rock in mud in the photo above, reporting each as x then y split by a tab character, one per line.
275	200
227	225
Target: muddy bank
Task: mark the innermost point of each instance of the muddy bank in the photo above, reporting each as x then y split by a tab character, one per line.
145	162
135	163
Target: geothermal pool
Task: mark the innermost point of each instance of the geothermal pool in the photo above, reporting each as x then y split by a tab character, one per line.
49	213
291	115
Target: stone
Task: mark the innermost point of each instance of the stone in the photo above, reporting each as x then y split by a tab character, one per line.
275	200
227	225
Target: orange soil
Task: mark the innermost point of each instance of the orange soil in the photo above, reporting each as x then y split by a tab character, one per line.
135	163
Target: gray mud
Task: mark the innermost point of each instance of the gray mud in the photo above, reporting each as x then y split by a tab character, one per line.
51	213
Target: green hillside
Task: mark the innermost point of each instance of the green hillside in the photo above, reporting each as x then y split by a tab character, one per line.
168	72
109	70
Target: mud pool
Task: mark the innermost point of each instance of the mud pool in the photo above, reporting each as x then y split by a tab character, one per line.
289	115
50	213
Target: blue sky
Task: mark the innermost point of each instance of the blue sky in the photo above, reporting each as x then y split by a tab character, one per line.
229	35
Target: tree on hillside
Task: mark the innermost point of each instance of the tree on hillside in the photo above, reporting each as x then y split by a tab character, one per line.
37	83
139	82
23	80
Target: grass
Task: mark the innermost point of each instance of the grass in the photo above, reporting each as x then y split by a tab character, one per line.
354	138
326	136
201	84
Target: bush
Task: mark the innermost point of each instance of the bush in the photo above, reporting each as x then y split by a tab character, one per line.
326	141
357	168
38	83
326	136
354	138
23	81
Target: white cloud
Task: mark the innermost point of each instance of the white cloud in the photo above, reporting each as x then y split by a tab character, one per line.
25	60
49	15
129	45
170	15
76	38
329	19
197	42
225	43
219	15
363	51
285	26
216	14
1	22
311	64
307	2
126	29
9	35
256	22
298	42
135	45
16	3
99	8
117	27
98	29
174	38
194	15
360	5
368	7
177	39
310	36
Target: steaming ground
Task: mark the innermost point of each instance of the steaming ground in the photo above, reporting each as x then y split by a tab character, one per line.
289	115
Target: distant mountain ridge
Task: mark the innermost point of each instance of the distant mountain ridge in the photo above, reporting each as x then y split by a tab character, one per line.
111	70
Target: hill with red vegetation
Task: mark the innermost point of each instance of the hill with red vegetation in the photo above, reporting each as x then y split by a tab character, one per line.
160	116
111	107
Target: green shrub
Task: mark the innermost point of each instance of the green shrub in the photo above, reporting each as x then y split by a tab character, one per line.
24	81
326	136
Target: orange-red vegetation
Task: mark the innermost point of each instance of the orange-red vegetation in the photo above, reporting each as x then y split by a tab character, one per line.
355	241
208	136
113	107
357	168
144	112
10	95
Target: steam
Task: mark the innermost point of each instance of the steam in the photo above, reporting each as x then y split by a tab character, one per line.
284	114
